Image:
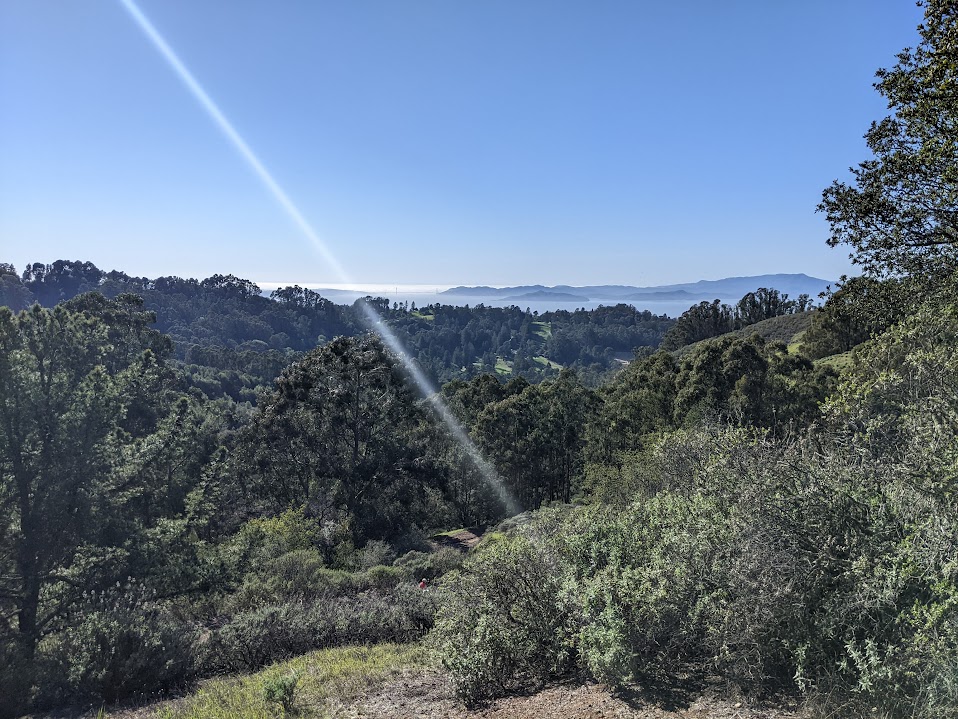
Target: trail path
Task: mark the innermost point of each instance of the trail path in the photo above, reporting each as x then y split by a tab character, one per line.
464	539
431	696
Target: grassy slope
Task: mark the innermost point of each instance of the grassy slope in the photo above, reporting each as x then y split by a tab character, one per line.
545	362
398	681
543	329
840	362
329	680
787	329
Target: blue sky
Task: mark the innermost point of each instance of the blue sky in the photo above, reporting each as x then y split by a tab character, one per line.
429	141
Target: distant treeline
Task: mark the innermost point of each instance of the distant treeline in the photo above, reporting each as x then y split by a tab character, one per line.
234	338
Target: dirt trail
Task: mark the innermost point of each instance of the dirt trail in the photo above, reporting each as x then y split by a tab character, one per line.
431	696
419	694
463	540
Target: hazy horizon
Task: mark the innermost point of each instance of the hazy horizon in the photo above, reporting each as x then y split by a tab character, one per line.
421	295
426	288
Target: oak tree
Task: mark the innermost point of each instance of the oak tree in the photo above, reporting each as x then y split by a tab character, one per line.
899	213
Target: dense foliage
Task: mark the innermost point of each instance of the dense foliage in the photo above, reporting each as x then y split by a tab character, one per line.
824	562
98	448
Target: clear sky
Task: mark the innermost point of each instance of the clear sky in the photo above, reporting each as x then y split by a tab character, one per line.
490	142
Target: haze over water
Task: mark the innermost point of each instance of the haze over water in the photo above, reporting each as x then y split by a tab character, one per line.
426	294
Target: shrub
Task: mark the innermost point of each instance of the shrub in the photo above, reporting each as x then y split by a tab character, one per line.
264	539
503	624
294	576
376	553
642	580
430	565
823	563
119	647
267	634
252	639
282	690
380	577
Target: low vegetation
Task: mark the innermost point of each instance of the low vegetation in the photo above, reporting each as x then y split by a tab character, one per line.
318	684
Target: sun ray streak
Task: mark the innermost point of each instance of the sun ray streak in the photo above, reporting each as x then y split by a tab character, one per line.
234	137
432	396
373	318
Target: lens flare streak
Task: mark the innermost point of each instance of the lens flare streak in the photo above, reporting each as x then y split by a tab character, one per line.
432	396
372	317
233	136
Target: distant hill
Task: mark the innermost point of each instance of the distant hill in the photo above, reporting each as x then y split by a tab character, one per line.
786	328
546	295
724	289
735	287
504	293
662	295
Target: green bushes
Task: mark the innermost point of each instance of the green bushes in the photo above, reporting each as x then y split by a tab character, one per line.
430	565
123	651
376	553
282	690
644	579
254	638
117	644
290	602
124	642
771	564
504	624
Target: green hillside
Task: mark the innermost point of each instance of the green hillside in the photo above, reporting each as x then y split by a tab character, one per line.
785	328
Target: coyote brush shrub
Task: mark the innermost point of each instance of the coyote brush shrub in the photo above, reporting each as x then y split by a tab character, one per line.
505	626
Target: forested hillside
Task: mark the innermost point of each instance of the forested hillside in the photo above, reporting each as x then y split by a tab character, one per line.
233	339
735	515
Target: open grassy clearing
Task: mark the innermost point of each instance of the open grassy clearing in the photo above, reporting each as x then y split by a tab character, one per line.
459	531
546	362
840	362
795	345
502	366
543	329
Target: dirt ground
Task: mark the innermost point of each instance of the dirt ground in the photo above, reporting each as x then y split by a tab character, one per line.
431	696
463	540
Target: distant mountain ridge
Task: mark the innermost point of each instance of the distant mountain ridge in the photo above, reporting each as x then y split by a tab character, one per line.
724	289
545	295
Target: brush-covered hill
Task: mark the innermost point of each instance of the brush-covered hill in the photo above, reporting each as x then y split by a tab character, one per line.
788	329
